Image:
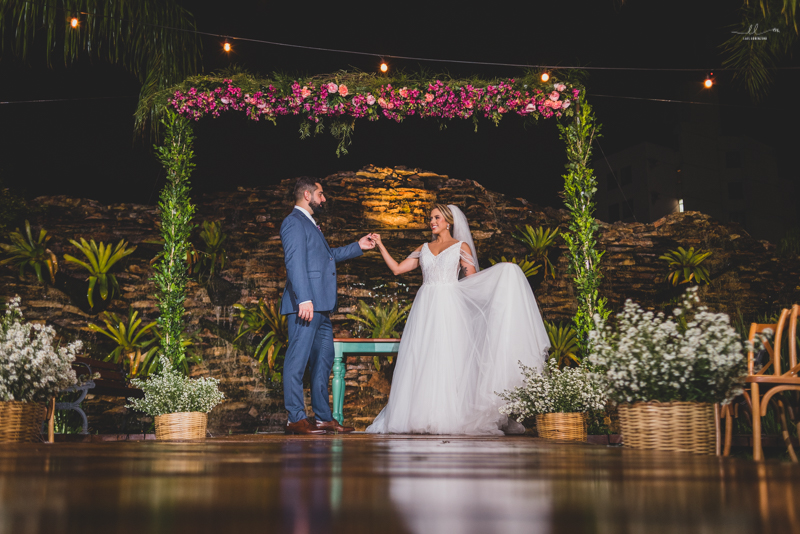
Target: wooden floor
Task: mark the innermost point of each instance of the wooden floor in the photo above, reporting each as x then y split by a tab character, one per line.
360	483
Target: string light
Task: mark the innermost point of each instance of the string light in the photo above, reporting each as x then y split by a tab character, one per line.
709	80
545	76
384	66
226	46
74	22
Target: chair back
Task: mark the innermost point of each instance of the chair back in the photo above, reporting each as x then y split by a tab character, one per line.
758	329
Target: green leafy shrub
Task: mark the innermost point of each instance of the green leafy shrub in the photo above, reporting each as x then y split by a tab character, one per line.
27	252
168	391
99	261
132	348
214	256
382	321
529	268
564	347
265	319
686	265
538	241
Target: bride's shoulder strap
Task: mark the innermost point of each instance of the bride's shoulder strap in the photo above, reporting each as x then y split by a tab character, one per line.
415	255
466	254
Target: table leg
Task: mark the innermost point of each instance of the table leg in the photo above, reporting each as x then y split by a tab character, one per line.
338	383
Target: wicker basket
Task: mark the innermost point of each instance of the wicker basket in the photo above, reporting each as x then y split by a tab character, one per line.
669	426
184	425
21	421
564	426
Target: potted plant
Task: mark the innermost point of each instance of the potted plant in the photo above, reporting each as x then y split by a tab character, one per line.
33	368
667	372
381	321
559	398
179	404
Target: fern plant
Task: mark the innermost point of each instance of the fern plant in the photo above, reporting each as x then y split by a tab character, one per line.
538	241
99	261
265	319
27	252
382	320
133	347
214	254
564	347
529	268
686	266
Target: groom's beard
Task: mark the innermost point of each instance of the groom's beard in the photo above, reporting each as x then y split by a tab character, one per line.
316	207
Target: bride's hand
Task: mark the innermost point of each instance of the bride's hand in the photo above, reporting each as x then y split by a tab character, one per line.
376	238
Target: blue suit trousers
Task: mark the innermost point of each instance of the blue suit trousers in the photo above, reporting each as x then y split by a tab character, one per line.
309	343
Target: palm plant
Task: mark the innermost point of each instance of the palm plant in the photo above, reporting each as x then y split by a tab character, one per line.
132	347
156	40
382	320
529	268
685	266
27	252
214	254
538	240
564	345
100	259
265	319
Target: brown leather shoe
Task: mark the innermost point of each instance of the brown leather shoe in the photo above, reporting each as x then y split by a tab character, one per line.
303	426
333	427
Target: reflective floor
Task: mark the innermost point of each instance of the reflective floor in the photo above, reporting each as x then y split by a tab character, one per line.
360	483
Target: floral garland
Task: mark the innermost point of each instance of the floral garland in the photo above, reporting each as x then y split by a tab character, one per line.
436	99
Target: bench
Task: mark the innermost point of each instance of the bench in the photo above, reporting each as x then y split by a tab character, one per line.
112	381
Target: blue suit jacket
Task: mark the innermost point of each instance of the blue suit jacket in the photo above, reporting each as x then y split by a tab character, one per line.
310	264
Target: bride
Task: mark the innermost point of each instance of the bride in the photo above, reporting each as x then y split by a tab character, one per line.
464	338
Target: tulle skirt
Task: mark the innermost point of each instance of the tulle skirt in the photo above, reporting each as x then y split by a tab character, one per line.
462	344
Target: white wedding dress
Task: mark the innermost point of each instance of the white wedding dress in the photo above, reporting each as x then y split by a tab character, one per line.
461	344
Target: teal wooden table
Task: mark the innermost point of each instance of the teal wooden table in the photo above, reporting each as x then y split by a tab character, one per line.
367	347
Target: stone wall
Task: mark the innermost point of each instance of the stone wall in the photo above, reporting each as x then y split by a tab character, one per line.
748	277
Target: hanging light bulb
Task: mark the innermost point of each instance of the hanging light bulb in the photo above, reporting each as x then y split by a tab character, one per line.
545	76
74	22
384	67
709	80
226	46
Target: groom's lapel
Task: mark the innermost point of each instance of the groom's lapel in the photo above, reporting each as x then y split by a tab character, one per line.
314	228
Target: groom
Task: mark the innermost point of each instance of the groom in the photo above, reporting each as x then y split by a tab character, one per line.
308	299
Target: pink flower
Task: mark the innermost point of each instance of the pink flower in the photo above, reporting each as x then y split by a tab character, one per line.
530	108
343	90
304	92
225	100
554	96
501	109
565	105
428	97
261	105
404	92
557	104
468	104
370	99
560	87
382	102
332	88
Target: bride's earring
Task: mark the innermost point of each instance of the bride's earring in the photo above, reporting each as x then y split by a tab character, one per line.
448	226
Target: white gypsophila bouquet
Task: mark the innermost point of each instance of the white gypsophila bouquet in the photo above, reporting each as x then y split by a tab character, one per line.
695	355
168	391
567	390
33	368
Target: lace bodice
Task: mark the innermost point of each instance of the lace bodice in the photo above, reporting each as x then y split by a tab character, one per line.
440	269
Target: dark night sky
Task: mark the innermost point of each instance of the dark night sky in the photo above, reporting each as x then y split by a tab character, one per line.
86	148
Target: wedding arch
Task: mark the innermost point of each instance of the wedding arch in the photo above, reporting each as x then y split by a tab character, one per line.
341	99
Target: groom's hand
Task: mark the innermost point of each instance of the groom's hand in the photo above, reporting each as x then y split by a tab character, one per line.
306	311
366	243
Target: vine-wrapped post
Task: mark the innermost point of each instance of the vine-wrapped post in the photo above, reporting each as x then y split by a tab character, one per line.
171	271
580	186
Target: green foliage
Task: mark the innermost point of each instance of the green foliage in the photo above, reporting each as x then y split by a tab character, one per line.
155	40
132	348
264	319
25	251
170	392
789	245
176	209
685	266
382	320
564	347
214	255
580	186
538	240
529	268
100	259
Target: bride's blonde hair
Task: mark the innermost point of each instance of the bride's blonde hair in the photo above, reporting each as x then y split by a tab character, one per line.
447	214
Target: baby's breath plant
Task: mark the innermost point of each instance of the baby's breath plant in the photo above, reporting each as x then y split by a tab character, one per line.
567	390
169	391
694	356
33	368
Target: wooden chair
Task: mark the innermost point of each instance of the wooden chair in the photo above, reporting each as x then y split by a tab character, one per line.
771	379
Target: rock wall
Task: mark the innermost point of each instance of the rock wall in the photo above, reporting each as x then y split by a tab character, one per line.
748	277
